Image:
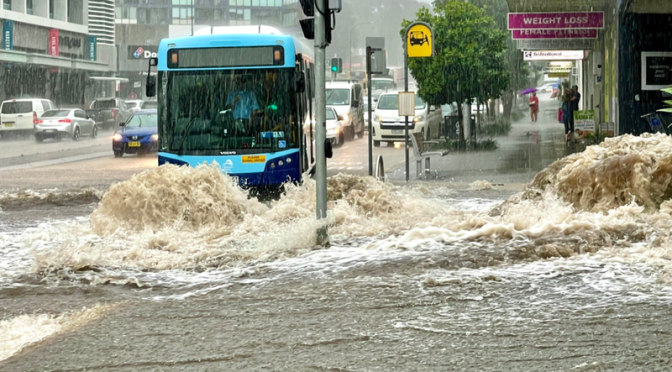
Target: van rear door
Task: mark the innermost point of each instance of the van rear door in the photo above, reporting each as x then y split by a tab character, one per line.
17	115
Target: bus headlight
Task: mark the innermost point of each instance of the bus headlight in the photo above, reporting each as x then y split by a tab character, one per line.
155	137
116	137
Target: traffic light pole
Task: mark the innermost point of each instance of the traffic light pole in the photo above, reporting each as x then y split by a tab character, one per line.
320	119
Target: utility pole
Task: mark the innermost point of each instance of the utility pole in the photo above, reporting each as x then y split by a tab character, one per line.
320	118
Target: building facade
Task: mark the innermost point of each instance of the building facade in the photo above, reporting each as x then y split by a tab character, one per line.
141	24
48	52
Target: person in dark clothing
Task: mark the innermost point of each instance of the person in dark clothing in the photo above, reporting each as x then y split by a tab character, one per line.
575	97
568	114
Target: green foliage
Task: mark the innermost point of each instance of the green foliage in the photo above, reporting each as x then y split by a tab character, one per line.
469	60
501	127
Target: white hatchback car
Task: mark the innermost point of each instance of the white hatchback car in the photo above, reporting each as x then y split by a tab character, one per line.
388	126
62	123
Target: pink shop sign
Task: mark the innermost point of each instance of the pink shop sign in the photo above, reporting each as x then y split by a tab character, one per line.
539	21
554	34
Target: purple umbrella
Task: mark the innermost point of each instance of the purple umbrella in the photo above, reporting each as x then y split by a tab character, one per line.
528	91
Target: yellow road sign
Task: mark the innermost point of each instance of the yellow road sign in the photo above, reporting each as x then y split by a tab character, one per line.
419	40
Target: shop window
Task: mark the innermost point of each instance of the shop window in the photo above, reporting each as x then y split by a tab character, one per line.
29	7
7	4
51	9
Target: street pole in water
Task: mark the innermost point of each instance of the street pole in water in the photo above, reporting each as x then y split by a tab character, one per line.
406	117
320	119
368	90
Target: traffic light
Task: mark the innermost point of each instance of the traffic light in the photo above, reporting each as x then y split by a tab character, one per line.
308	24
336	65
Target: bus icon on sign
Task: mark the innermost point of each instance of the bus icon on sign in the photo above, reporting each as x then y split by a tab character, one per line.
138	52
418	38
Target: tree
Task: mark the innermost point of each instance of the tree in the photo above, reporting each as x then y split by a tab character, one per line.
519	73
469	56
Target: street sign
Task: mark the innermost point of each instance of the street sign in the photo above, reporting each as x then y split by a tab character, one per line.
553	55
556	44
554	34
566	20
419	40
406	103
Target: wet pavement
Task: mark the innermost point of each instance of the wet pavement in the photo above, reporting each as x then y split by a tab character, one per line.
177	270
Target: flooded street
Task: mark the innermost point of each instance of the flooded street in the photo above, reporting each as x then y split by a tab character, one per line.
176	269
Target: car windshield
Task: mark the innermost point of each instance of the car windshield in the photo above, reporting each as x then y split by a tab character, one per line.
145	120
104	104
382	84
17	107
56	113
391	102
338	97
330	115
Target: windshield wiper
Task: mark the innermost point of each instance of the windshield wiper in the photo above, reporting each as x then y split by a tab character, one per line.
184	137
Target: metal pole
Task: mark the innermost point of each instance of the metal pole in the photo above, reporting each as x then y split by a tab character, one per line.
406	117
193	16
320	118
368	90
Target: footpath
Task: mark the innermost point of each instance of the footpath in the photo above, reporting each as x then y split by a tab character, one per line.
528	149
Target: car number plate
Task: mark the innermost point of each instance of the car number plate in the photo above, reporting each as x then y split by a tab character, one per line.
8	125
50	130
134	144
397	131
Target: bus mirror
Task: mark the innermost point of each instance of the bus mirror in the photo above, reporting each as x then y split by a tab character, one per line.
151	86
328	150
300	83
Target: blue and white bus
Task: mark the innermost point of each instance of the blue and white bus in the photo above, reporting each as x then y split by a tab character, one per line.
238	96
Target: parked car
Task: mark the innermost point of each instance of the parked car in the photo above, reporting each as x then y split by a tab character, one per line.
346	98
334	128
134	105
18	115
108	112
62	123
388	126
138	135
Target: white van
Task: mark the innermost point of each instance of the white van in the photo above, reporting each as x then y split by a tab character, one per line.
347	99
388	126
21	114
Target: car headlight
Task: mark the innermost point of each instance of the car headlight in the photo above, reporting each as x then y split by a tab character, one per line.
419	118
155	137
116	137
332	130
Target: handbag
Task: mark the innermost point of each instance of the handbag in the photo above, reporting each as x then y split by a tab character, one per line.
560	115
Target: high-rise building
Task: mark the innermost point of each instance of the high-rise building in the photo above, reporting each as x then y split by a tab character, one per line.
47	51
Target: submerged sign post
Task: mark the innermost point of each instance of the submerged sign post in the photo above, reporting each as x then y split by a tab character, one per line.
418	43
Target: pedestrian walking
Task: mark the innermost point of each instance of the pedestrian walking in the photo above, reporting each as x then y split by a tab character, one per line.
567	114
534	107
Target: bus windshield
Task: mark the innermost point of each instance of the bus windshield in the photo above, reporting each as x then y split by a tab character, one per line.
227	111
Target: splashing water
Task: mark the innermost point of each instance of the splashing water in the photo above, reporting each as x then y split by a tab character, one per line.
610	197
481	185
24	331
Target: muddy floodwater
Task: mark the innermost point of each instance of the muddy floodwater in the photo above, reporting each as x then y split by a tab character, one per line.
177	269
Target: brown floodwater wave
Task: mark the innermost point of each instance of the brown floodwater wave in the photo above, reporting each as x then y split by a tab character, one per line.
611	197
29	199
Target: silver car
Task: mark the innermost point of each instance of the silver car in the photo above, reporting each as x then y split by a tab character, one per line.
62	123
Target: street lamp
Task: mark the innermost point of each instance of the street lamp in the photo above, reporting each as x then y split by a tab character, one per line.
352	28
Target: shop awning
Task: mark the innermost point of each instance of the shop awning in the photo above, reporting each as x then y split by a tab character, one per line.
109	78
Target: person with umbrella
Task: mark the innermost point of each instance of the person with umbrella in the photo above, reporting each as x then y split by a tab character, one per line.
534	107
534	103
